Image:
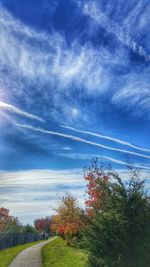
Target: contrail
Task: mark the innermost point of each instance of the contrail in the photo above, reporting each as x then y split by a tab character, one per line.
96	14
19	111
81	140
90	156
107	138
124	163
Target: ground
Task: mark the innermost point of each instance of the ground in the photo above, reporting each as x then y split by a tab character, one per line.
58	254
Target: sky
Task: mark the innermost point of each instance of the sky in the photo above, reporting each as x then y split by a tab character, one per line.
74	85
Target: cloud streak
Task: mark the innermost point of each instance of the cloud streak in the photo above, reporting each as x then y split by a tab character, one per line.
43	61
110	26
91	156
125	163
107	138
14	109
27	201
81	140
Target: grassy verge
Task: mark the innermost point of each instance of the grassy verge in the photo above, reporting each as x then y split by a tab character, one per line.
58	254
7	255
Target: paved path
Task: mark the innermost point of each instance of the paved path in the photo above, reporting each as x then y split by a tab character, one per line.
30	257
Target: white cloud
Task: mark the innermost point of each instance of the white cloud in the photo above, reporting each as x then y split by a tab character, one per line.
67	148
48	58
93	156
13	109
35	59
81	140
134	96
35	193
95	13
126	163
45	62
107	138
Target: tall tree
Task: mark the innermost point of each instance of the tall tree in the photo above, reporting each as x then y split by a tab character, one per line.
118	232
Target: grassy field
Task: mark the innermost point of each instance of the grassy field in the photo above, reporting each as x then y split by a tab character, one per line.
7	255
58	254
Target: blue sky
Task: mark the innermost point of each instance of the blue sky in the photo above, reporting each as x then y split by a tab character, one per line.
74	85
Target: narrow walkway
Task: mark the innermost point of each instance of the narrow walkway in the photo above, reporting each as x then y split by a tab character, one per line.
30	257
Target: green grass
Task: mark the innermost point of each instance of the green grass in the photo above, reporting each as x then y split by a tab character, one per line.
7	255
58	254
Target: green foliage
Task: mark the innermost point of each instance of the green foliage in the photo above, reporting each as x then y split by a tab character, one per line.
57	254
29	229
118	234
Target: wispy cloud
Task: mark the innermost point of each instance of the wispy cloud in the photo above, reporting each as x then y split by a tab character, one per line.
68	148
107	138
16	110
126	163
81	140
92	156
43	61
95	13
27	201
134	97
56	61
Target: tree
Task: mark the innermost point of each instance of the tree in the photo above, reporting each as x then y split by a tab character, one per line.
29	229
71	217
55	222
97	178
43	224
8	223
118	232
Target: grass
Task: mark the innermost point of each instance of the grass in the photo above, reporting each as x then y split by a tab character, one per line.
7	255
58	254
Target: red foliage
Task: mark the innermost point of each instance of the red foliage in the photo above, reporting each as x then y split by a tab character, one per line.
43	224
70	228
96	178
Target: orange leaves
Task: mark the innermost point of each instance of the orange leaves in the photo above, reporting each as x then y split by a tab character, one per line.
69	228
70	217
96	179
55	222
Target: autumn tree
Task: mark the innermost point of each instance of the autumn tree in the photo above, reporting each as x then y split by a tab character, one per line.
55	223
118	232
8	223
97	178
71	217
43	224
